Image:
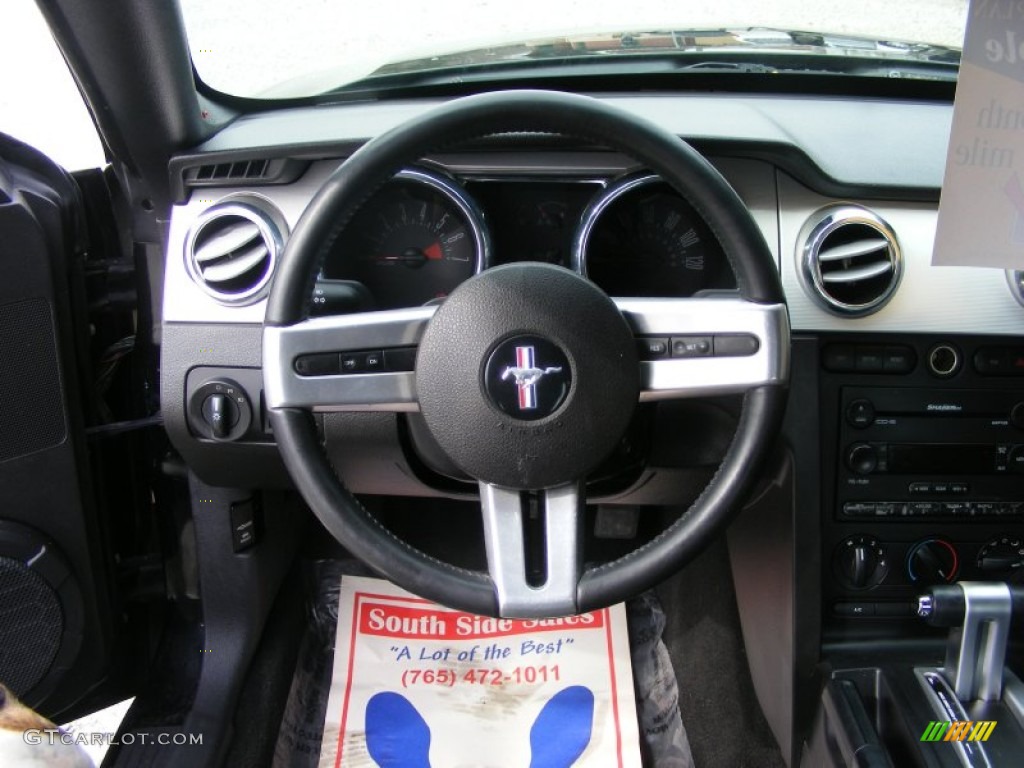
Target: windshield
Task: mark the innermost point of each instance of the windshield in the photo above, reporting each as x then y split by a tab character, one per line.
272	49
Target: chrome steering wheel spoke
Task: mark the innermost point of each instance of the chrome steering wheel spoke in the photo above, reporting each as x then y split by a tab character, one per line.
713	346
533	542
298	359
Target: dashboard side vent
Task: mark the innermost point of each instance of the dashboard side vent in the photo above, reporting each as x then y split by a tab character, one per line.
850	260
231	251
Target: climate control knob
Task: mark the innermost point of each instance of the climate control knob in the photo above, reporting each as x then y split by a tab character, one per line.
1003	558
860	562
933	561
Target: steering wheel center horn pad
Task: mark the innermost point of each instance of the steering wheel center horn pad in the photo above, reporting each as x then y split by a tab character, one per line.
527	376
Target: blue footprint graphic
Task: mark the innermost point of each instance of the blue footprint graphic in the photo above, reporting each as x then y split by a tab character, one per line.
396	734
398	737
563	728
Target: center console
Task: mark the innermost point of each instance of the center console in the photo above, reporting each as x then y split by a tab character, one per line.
924	474
922	552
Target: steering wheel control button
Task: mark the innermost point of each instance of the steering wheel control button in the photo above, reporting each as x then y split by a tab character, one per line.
325	364
400	359
692	346
353	362
372	361
652	347
528	377
738	345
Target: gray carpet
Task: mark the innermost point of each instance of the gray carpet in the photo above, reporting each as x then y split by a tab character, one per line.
716	697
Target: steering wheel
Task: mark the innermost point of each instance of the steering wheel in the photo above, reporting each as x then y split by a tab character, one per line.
528	374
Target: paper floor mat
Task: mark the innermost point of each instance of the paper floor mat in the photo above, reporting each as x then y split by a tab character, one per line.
416	684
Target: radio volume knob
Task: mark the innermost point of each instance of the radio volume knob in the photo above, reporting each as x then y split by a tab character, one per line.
862	458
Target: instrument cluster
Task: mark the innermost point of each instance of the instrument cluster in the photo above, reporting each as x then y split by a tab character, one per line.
424	233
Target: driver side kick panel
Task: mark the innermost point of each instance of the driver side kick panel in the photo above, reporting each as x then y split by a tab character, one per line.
55	631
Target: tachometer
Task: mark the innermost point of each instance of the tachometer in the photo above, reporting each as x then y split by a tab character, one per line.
412	242
638	237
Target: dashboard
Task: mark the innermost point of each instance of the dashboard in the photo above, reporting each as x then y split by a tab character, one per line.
903	446
845	192
550	199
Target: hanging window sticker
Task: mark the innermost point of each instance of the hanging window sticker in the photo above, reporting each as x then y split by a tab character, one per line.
417	685
981	211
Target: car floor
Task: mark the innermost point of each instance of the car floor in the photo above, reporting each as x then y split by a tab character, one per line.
719	708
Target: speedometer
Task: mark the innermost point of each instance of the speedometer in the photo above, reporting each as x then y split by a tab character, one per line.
638	237
412	242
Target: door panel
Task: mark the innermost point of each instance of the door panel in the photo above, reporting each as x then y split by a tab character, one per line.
55	606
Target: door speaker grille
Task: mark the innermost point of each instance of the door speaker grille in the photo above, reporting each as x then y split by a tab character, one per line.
31	625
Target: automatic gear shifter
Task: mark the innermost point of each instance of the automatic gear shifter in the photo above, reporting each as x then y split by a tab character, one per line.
974	687
966	713
979	614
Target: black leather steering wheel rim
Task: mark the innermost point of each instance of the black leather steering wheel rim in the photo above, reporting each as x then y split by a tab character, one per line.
479	116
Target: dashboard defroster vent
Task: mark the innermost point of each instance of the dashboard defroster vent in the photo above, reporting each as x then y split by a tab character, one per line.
850	260
246	169
232	250
244	172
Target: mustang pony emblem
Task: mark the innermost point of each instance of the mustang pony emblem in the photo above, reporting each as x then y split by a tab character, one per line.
527	374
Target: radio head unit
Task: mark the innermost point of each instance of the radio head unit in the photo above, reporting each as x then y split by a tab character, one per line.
909	452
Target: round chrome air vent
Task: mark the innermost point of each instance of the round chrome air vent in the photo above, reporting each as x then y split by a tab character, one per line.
1015	277
850	260
232	249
